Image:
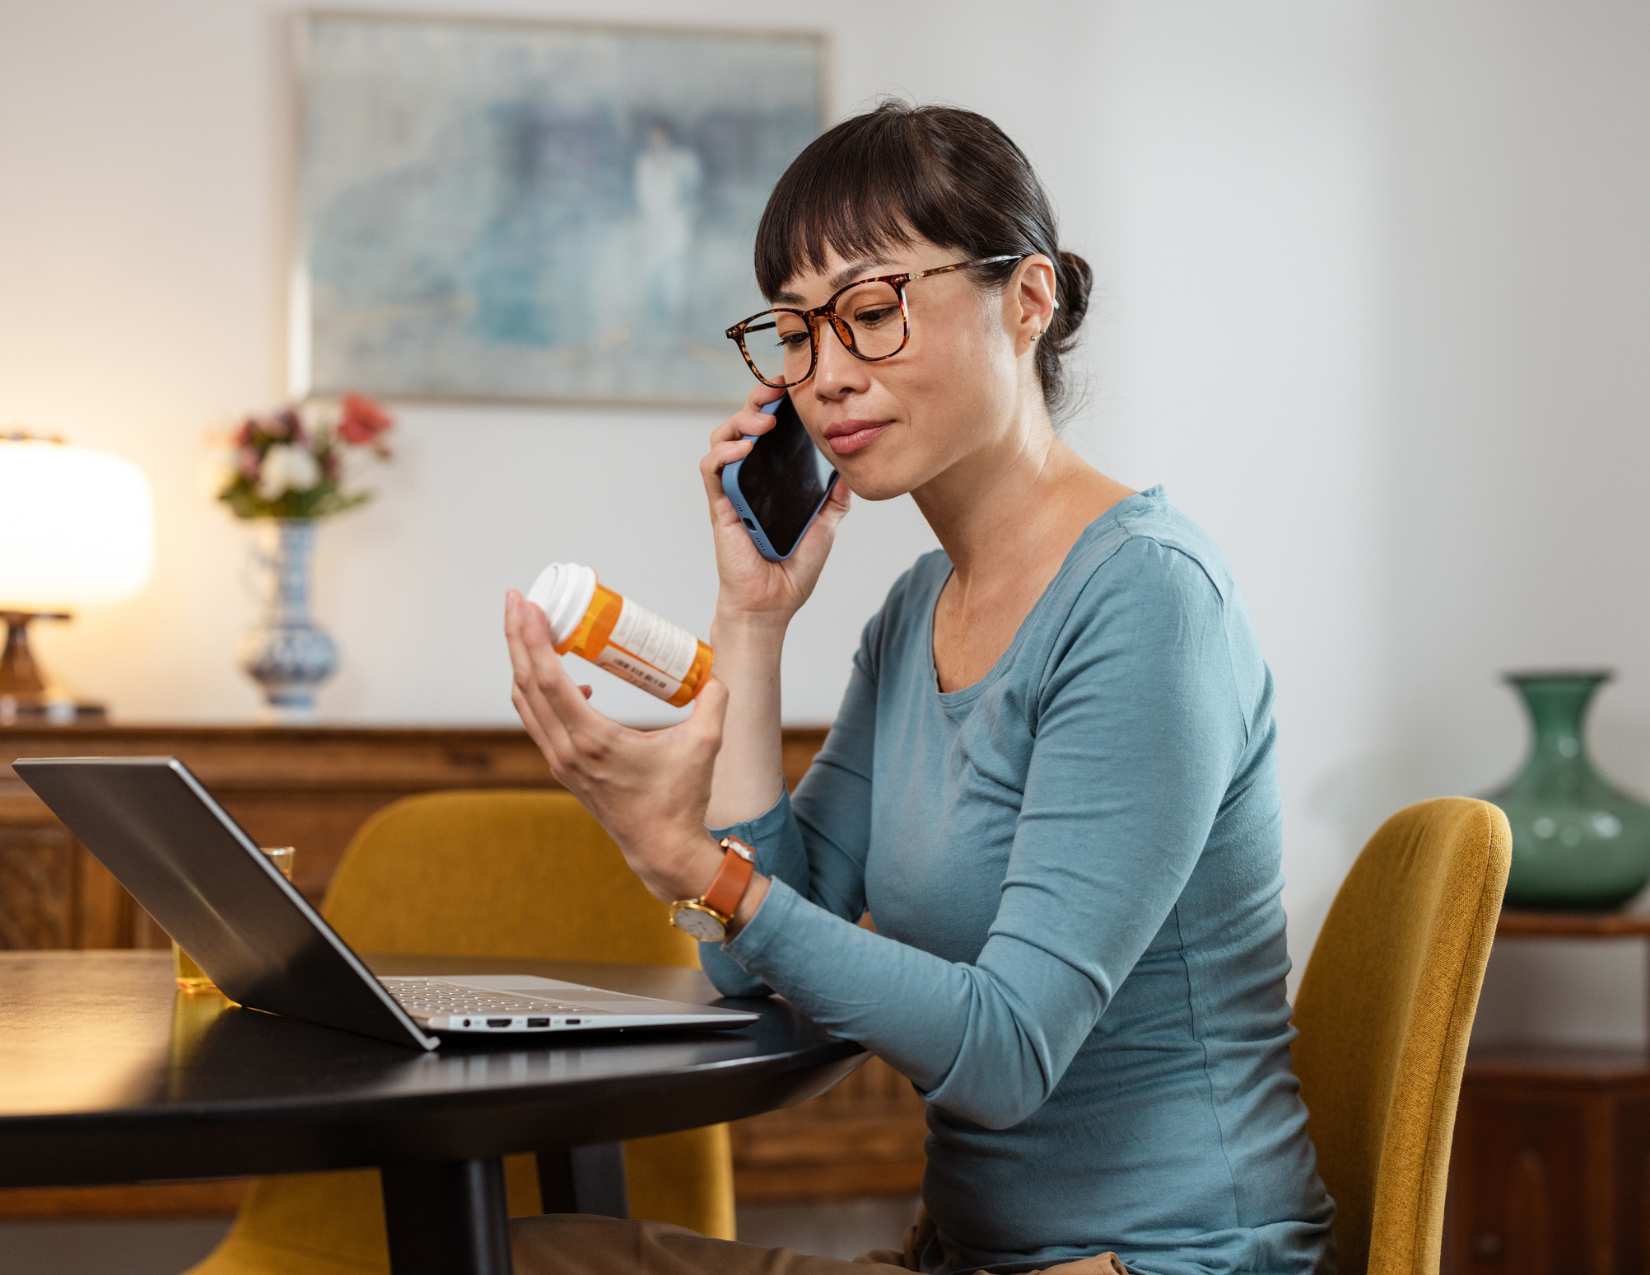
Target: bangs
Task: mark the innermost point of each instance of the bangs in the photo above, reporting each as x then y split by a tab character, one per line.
904	174
883	181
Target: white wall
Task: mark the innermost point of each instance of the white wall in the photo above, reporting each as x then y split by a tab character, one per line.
1371	304
1516	424
1236	228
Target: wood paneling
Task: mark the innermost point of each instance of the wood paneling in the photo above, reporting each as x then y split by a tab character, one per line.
864	1137
1524	1161
104	912
1576	925
312	788
37	885
1632	1170
216	1197
1551	1164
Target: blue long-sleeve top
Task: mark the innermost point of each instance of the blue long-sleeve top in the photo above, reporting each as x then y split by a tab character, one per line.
1079	959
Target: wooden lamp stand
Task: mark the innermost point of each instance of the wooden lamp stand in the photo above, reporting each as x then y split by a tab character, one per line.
27	692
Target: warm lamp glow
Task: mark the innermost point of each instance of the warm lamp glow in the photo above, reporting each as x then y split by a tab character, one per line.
76	526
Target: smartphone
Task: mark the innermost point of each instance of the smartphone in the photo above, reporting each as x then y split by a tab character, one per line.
780	485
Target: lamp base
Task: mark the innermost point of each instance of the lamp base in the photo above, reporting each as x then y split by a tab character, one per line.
27	692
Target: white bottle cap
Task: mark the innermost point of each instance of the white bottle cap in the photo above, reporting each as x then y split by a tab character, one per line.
563	592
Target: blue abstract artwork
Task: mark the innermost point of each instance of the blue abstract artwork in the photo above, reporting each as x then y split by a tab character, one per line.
504	210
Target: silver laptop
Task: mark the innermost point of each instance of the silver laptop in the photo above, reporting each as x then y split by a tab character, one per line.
204	880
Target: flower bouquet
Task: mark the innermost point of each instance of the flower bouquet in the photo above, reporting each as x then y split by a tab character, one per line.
286	471
291	464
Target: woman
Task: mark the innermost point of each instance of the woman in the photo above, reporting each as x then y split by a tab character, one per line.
1052	779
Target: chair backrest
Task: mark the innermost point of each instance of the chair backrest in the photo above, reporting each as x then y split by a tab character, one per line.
526	874
1385	1011
529	874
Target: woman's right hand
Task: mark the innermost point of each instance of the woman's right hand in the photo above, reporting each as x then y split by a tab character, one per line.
754	589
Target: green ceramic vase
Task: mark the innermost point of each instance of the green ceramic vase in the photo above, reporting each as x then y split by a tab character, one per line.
1577	841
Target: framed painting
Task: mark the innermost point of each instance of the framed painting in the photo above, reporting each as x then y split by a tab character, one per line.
535	211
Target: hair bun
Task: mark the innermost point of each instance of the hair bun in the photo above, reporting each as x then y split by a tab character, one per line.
1075	280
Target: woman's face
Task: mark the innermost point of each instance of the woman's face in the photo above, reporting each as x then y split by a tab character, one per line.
962	386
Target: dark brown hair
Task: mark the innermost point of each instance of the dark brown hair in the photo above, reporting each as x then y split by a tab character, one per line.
946	175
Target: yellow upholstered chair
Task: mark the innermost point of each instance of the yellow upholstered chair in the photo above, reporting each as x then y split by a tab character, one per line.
1384	1011
477	874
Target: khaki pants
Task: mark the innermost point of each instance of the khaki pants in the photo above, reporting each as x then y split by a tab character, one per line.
578	1244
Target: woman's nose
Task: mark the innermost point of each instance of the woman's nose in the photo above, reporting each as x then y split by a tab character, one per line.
835	369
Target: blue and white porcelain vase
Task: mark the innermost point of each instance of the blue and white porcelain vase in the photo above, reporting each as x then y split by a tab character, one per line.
287	653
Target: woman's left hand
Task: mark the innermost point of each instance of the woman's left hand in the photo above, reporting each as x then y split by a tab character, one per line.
649	789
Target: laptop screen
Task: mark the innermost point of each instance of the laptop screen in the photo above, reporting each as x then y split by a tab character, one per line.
194	870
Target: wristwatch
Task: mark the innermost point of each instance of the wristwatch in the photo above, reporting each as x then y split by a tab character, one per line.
707	918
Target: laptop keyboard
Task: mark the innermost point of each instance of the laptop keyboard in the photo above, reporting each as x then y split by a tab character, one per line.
420	996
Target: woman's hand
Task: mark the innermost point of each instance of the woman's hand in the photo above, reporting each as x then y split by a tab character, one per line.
649	789
754	589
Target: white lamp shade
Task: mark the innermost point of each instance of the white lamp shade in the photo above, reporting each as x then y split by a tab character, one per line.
76	526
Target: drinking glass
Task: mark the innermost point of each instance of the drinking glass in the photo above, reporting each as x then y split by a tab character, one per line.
191	977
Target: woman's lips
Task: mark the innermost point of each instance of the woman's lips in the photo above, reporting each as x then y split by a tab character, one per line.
853	441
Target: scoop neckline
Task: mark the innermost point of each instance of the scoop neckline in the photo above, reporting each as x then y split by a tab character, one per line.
961	696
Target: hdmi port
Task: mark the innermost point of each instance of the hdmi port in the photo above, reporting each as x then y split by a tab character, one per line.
498	1022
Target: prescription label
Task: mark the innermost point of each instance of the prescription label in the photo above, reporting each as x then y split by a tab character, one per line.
648	651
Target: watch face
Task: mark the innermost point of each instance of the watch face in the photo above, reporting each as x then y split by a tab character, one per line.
698	922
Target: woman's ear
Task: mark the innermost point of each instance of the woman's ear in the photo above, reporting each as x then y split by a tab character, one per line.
1030	301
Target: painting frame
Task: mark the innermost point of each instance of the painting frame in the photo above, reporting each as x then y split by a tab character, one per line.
315	366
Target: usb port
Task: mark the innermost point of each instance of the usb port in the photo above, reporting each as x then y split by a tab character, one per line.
498	1022
538	1022
573	1022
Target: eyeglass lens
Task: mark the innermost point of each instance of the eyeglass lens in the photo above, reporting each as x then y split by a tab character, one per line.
869	319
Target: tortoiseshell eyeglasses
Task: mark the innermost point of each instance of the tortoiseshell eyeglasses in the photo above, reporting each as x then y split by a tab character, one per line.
870	317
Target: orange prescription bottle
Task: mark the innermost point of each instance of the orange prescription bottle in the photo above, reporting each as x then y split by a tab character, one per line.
619	636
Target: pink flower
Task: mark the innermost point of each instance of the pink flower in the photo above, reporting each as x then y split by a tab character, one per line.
244	435
247	461
285	427
363	420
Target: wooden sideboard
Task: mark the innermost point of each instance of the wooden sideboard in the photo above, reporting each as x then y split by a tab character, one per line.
312	788
1550	1168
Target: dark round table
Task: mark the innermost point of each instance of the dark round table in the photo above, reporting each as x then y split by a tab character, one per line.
108	1076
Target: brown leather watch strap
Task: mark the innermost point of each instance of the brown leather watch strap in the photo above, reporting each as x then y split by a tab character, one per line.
733	878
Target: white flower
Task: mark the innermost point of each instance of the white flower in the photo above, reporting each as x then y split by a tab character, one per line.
318	417
287	468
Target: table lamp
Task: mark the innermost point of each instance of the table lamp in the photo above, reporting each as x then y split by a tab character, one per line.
77	527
